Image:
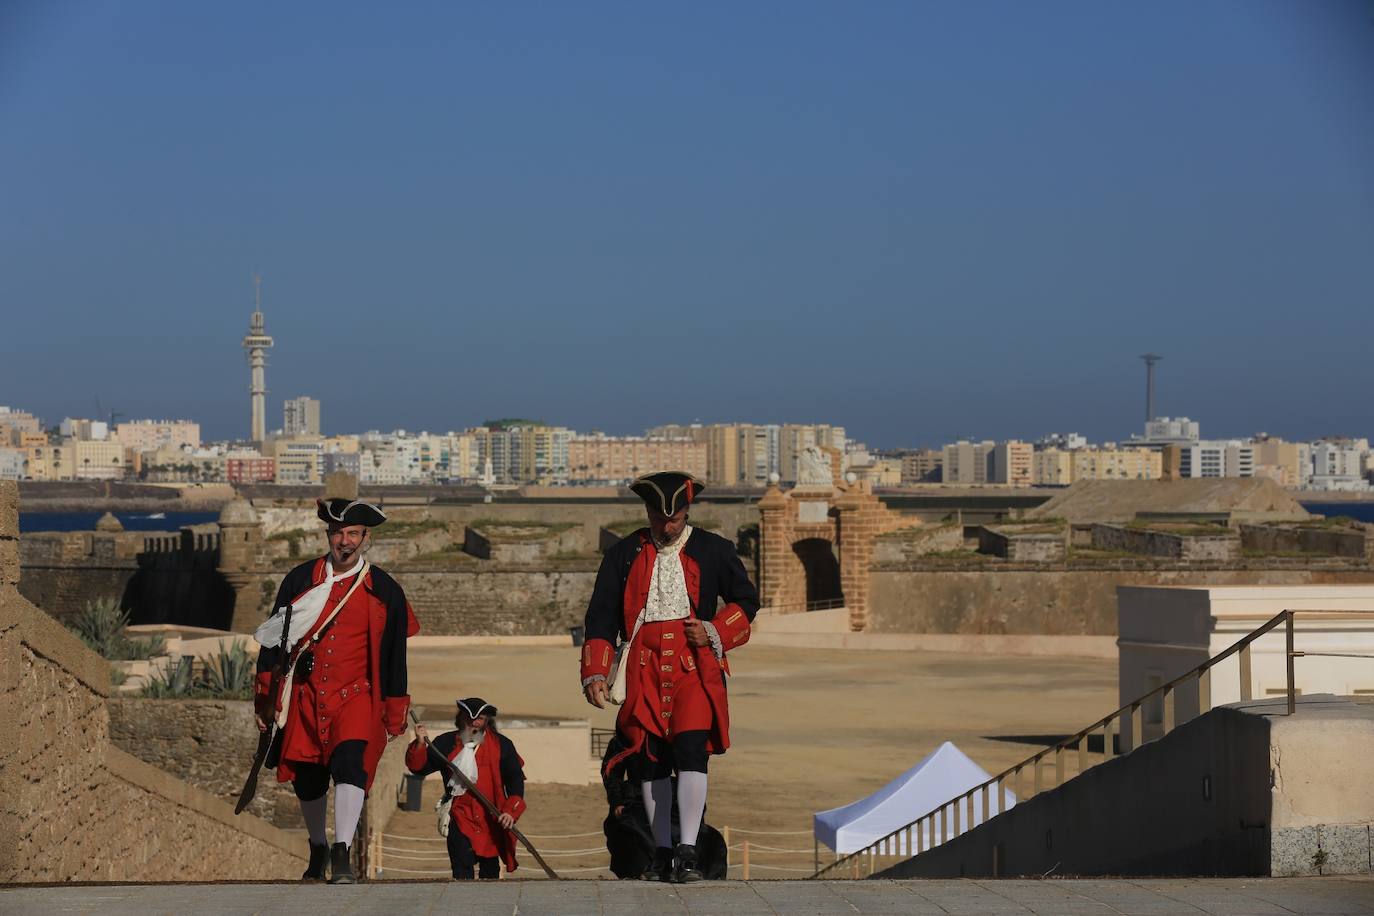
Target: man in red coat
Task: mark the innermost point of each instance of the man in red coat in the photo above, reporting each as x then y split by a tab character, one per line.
345	693
490	760
658	591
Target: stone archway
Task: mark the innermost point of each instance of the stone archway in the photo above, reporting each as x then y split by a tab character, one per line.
815	519
821	566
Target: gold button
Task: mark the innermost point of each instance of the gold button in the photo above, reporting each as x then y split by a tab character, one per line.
667	667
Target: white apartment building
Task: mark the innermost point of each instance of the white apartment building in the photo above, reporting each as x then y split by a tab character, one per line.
1172	431
1217	458
14	463
1338	464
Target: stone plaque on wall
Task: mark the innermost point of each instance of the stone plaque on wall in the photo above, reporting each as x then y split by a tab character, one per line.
813	511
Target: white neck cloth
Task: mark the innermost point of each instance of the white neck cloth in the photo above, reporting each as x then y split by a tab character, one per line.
305	611
668	599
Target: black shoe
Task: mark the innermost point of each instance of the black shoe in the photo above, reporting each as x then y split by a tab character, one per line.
341	866
319	861
661	868
685	870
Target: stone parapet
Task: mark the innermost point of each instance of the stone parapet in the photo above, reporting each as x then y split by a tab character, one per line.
72	806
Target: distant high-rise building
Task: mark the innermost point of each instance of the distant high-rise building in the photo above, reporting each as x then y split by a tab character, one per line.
1167	431
256	344
301	417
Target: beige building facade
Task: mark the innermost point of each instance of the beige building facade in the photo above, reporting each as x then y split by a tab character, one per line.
150	435
613	459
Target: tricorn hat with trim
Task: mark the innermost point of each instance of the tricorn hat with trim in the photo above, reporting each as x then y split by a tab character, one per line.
342	511
668	492
476	706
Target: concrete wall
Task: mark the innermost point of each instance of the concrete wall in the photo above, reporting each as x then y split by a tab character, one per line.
1197	802
993	599
73	806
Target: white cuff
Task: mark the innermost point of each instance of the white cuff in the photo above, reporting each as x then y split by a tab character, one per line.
716	646
592	680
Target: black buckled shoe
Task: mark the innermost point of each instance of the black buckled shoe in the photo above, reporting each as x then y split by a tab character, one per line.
685	870
661	868
319	862
341	866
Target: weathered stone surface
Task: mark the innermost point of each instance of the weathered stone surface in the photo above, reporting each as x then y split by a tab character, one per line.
991	600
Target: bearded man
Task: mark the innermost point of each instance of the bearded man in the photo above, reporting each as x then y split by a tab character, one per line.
489	759
344	696
658	591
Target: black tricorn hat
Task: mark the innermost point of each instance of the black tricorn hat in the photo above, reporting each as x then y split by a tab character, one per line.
344	511
476	706
667	492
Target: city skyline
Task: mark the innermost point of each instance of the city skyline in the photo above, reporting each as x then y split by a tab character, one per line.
926	222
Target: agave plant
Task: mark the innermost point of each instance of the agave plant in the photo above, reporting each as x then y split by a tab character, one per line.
229	672
174	682
101	625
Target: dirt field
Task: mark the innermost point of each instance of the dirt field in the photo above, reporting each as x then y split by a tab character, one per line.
811	729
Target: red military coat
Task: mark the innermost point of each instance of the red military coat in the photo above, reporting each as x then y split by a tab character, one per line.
500	777
358	689
669	682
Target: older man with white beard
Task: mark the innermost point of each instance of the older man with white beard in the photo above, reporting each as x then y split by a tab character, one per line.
489	759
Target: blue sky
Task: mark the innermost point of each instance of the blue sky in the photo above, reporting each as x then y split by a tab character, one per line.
922	220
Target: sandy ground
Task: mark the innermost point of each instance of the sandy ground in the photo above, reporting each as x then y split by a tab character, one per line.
811	730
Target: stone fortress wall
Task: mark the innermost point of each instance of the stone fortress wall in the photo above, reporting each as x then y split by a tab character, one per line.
73	807
894	571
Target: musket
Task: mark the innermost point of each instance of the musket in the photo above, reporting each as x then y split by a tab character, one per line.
271	732
447	766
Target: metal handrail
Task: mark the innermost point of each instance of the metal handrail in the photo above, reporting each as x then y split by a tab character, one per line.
1202	673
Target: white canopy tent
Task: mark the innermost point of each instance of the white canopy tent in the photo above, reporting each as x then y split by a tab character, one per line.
942	775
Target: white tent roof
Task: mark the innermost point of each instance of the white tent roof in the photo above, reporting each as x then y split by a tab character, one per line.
942	775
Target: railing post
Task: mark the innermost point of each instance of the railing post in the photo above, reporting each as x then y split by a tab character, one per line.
1059	765
987	811
1246	689
972	821
944	834
920	836
955	814
1204	690
1168	703
1082	754
1038	778
745	860
1292	699
1137	726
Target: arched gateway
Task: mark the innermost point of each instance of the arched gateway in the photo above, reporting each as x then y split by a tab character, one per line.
816	541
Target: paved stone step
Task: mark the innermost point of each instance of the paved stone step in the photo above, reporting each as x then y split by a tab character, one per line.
1146	897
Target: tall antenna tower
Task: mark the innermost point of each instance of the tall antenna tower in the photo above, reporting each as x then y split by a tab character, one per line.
1150	360
256	344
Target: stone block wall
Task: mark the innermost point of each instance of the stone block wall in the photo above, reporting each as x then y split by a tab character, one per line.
499	602
74	807
912	543
1007	599
1021	547
1168	544
1285	539
210	744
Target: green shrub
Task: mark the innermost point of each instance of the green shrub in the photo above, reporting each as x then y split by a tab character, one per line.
101	626
176	682
227	675
229	672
